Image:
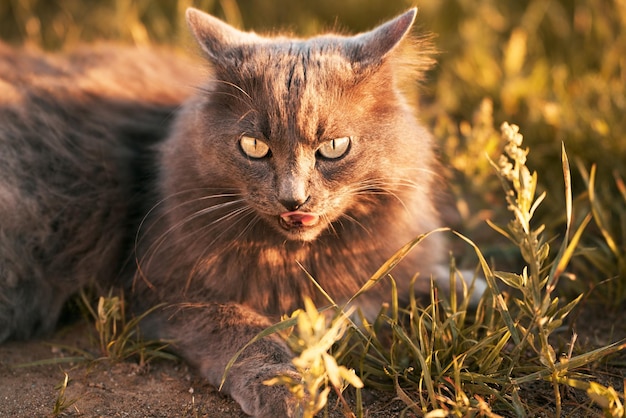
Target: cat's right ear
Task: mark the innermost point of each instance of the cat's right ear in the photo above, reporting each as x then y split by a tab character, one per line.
214	36
373	46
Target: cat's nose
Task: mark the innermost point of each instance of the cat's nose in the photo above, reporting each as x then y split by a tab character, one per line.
292	192
292	204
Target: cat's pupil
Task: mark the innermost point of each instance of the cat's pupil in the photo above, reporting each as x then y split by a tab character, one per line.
335	148
253	147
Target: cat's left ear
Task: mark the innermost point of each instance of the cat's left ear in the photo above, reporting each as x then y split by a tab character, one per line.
214	36
371	47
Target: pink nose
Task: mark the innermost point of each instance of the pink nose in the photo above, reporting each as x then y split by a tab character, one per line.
300	218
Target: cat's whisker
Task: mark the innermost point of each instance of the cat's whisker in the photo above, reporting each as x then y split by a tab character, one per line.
224	93
429	172
245	115
191	217
248	227
210	209
247	99
387	186
228	83
154	250
389	181
234	96
161	202
182	192
241	213
161	239
330	225
378	189
356	222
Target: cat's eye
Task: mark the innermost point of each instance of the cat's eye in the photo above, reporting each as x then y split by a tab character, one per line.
253	147
335	148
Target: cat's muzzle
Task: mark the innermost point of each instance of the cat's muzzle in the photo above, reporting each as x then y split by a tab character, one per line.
298	220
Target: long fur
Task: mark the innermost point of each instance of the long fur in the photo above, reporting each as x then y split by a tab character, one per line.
115	170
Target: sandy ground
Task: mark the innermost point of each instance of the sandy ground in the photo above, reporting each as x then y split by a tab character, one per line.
167	388
163	388
101	389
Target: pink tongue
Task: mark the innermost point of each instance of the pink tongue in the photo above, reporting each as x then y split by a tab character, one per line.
304	218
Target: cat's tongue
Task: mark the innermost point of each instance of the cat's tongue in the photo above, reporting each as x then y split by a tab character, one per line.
295	219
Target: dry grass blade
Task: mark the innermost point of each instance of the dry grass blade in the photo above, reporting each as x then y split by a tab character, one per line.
386	268
61	404
599	213
566	251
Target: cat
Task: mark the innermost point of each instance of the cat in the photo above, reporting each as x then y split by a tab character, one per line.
216	191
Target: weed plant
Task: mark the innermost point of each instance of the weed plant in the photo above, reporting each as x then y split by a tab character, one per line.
314	337
62	403
118	332
446	359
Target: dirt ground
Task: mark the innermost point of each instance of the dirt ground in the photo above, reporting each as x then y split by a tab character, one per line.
163	388
170	389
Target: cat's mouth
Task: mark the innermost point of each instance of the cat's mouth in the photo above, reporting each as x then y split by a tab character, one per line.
298	220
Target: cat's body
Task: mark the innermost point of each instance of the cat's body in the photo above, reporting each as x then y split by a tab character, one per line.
293	158
74	131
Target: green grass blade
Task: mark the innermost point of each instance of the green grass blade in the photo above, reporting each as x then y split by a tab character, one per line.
491	282
425	369
573	363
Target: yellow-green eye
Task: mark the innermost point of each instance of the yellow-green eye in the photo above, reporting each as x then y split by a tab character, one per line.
253	148
335	148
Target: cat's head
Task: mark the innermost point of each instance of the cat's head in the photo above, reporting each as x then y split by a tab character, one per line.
311	132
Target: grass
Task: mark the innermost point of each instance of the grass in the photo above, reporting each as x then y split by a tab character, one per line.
446	359
116	336
61	404
608	260
118	333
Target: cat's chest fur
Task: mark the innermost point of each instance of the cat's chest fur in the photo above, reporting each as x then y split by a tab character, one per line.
218	258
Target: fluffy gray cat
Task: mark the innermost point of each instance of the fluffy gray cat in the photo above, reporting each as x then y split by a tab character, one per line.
289	157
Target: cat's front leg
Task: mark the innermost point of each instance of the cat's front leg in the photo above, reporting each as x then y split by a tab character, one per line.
208	336
245	384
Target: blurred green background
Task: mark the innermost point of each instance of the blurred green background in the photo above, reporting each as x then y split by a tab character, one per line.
557	68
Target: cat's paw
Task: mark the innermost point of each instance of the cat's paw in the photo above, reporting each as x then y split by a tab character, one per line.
260	400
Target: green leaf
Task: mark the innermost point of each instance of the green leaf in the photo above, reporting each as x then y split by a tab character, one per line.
510	279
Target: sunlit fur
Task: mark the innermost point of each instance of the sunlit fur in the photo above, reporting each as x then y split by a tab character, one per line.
113	168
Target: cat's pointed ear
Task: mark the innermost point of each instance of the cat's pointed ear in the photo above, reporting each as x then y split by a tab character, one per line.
214	36
373	46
